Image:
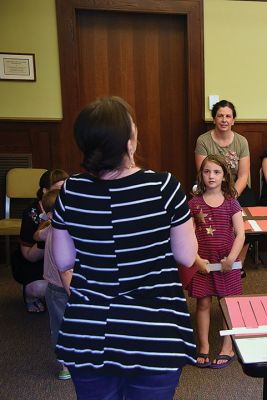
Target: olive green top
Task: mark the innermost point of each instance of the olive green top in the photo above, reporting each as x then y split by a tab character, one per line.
232	153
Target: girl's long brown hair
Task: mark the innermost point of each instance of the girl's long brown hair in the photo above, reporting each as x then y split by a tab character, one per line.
228	184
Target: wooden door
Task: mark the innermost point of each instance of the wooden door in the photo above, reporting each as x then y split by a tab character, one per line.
149	53
140	57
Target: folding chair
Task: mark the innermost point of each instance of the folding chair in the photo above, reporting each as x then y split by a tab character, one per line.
21	183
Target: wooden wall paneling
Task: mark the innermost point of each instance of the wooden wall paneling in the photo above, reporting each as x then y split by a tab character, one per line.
32	137
256	134
20	138
68	153
73	93
42	137
15	138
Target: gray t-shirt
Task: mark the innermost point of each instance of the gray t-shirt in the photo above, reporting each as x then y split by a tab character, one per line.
232	153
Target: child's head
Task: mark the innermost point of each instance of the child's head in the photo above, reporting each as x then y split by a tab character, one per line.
227	184
48	201
51	179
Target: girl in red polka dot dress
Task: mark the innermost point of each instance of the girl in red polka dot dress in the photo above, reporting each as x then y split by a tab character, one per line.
220	233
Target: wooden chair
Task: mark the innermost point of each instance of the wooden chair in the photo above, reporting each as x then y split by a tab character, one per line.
21	183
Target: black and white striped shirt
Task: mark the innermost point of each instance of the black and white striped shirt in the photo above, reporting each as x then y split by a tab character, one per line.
127	310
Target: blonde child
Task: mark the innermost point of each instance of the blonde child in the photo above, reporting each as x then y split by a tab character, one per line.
57	292
220	233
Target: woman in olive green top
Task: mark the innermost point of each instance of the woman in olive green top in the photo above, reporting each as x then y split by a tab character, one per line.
234	147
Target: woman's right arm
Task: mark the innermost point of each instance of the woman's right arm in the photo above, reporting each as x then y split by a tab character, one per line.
29	249
33	253
184	243
201	152
198	160
264	168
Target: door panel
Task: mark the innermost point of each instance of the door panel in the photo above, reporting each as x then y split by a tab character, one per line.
142	58
151	53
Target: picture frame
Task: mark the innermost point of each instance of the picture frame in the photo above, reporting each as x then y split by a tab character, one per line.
17	67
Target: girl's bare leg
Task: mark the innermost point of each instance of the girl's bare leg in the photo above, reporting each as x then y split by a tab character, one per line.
227	347
203	326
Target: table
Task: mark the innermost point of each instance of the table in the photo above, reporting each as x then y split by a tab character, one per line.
246	316
255	223
255	220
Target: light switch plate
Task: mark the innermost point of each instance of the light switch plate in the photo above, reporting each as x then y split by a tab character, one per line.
213	99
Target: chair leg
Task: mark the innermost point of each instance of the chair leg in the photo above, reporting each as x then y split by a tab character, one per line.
256	253
7	246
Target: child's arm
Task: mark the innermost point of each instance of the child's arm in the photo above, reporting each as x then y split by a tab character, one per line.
238	244
41	234
66	279
202	264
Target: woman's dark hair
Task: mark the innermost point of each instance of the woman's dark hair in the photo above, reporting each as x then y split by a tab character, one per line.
228	184
49	178
102	131
222	103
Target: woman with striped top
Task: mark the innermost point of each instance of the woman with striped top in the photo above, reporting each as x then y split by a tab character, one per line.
220	234
126	331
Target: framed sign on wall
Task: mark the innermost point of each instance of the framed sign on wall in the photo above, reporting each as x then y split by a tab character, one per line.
17	66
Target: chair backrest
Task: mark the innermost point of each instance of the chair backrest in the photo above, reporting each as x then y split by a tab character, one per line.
21	183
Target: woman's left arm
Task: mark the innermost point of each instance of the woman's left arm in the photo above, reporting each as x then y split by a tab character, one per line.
243	174
239	231
63	249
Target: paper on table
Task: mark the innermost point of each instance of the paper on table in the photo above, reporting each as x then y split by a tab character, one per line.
260	330
254	225
247	226
252	350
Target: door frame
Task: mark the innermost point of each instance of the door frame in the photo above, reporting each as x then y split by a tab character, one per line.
68	57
